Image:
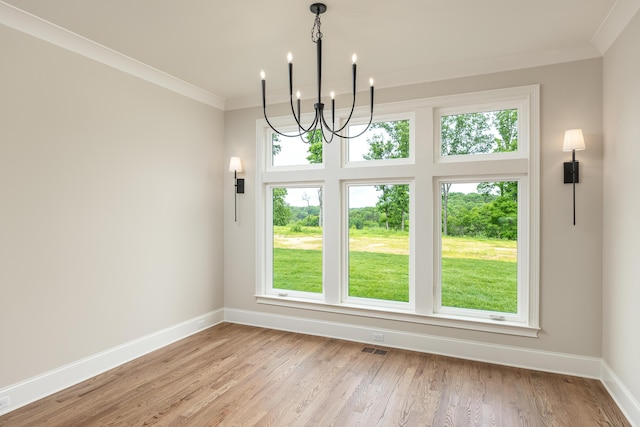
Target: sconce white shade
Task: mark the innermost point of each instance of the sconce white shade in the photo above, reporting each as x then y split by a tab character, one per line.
235	164
573	140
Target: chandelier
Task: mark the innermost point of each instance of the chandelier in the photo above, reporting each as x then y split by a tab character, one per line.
319	122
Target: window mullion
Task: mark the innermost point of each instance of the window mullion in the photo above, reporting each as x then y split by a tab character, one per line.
422	220
332	225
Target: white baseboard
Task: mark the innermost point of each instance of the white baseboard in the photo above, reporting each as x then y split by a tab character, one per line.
628	404
568	364
43	385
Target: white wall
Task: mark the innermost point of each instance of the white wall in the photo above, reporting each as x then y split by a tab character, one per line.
571	257
621	266
110	207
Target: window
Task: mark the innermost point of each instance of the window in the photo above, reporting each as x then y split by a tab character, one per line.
479	132
378	243
382	141
478	250
431	216
296	239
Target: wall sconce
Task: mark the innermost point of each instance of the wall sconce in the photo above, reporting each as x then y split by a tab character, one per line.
235	166
573	140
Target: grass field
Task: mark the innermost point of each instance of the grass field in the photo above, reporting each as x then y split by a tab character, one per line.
476	273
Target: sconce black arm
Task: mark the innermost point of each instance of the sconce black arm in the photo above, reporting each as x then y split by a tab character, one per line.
572	176
239	184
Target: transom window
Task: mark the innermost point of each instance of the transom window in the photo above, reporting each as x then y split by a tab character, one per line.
431	216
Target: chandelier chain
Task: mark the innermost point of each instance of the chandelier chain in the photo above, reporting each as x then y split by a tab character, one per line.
316	33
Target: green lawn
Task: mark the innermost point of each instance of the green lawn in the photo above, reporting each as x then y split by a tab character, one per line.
476	274
479	284
297	269
379	276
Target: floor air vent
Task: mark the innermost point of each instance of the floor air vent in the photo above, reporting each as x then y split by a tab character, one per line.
374	351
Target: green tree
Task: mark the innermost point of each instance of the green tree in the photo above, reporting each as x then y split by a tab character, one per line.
275	147
281	212
316	145
314	139
506	124
366	217
392	143
483	215
463	134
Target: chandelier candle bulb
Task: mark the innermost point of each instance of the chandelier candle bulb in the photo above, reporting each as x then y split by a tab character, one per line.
264	101
289	60
333	108
353	72
371	83
354	58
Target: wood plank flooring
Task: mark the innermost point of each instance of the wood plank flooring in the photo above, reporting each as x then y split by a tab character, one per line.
236	375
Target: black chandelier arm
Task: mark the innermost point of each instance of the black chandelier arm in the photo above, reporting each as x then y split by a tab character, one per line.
298	117
353	104
312	128
276	130
330	140
330	129
346	123
366	128
337	131
370	115
331	132
319	119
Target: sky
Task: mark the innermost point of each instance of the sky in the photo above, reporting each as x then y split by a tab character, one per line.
360	196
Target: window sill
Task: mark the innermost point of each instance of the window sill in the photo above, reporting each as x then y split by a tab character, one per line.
493	326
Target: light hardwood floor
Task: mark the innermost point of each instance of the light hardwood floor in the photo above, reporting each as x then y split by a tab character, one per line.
239	375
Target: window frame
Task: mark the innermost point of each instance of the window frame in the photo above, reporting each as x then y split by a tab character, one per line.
423	171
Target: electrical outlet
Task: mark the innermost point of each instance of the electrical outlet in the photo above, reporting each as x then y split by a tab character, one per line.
4	402
378	337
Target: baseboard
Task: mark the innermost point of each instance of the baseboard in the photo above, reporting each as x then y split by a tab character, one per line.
43	385
628	404
568	364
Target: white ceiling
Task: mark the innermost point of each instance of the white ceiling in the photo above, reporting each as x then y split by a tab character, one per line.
221	46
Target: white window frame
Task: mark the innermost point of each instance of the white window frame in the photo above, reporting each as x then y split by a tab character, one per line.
423	171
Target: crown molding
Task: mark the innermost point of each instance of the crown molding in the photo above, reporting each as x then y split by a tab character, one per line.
614	24
44	30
